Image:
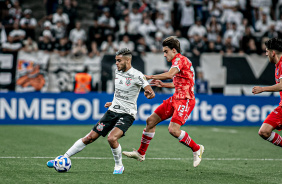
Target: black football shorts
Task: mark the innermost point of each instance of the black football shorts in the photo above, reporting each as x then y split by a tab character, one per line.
112	119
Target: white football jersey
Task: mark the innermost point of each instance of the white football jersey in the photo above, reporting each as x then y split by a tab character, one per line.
127	88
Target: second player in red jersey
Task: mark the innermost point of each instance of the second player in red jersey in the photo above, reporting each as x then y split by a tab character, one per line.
274	119
178	107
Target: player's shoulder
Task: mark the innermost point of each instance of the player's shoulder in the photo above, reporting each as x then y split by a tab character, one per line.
136	73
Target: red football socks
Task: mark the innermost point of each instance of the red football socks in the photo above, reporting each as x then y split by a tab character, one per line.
187	141
145	141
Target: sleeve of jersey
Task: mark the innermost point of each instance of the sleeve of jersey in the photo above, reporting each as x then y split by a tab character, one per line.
141	81
177	63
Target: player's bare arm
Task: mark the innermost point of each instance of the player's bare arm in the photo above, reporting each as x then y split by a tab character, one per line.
167	75
149	92
276	87
108	104
161	84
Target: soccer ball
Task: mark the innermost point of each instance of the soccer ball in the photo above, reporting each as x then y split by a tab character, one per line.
62	164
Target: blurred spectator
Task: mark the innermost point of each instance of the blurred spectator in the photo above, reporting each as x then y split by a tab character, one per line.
198	45
83	82
70	9
29	45
135	19
245	39
243	27
51	6
228	48
234	34
213	29
157	46
166	7
60	16
271	32
124	26
160	22
262	25
167	30
120	9
260	7
28	23
95	38
109	46
126	43
62	46
147	29
47	26
201	84
278	26
184	42
3	36
215	9
46	44
218	45
79	49
187	17
252	48
16	33
47	18
77	33
232	16
198	29
141	47
107	22
16	11
59	30
11	46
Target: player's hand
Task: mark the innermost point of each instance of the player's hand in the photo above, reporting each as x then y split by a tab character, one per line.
149	94
108	104
257	90
157	83
148	77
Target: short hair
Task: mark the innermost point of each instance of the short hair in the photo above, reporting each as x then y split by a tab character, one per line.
124	52
274	44
172	42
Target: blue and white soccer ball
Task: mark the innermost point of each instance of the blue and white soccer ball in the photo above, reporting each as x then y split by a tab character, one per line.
62	164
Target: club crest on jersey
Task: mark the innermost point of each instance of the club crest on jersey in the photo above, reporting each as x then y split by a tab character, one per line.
128	81
100	126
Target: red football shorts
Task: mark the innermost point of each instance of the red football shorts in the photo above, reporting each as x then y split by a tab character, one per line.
275	118
179	110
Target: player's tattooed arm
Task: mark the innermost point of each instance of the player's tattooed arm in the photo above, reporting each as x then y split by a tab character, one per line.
149	92
167	75
161	84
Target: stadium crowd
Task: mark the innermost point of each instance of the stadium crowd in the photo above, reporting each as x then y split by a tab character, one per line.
220	26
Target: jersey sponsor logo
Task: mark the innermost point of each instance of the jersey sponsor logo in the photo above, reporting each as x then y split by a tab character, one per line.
120	121
100	126
128	81
142	81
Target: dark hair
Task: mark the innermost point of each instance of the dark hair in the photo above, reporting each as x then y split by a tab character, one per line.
124	52
274	44
172	42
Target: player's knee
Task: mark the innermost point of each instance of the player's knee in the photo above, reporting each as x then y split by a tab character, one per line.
112	139
264	134
172	131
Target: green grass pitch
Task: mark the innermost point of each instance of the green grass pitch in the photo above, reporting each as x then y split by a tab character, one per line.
232	155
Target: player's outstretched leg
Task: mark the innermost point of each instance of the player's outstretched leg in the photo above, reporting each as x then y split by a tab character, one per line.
266	132
78	146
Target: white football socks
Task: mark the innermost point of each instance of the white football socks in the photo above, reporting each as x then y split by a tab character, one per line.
117	156
76	147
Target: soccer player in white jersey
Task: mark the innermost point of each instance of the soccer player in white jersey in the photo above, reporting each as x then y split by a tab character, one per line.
122	110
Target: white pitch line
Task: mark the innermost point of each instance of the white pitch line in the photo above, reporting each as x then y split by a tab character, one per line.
110	158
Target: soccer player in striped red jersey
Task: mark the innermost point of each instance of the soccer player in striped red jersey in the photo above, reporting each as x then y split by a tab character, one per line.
274	119
178	107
